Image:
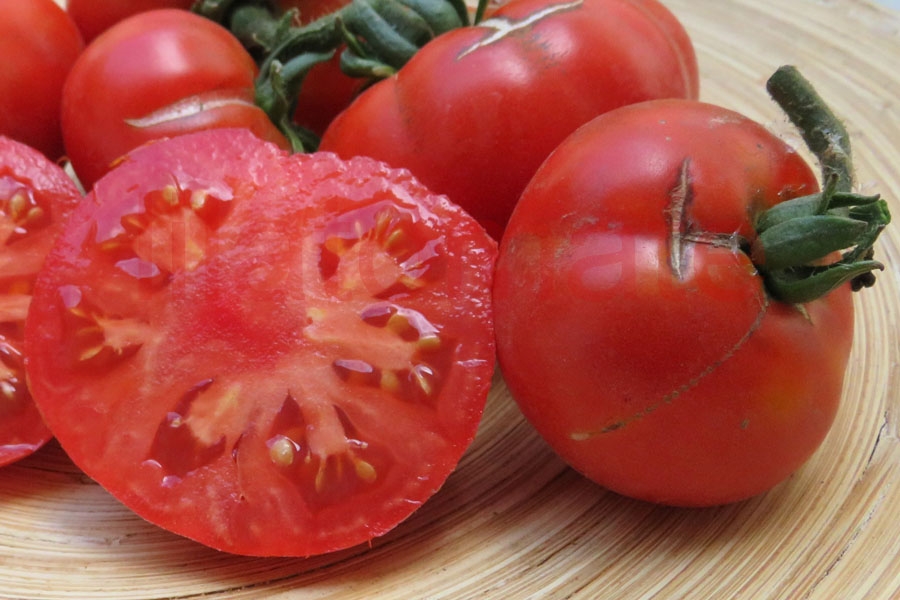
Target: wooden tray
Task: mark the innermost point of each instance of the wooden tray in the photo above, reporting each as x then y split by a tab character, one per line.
513	522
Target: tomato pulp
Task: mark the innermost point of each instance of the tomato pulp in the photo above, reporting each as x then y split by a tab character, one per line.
36	196
270	354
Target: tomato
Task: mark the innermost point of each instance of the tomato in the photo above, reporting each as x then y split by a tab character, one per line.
271	354
39	43
93	17
35	198
634	330
476	111
156	74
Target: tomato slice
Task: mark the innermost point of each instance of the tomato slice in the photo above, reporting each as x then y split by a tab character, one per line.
36	196
269	354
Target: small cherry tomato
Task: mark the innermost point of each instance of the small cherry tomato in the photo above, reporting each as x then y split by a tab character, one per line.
156	74
38	43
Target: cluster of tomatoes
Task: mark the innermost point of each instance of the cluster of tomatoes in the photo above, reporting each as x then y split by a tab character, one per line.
285	352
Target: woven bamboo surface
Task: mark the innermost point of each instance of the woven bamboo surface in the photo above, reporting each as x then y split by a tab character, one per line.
513	522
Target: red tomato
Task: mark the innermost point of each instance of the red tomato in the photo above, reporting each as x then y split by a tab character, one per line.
632	327
272	354
477	110
35	198
157	74
38	43
93	17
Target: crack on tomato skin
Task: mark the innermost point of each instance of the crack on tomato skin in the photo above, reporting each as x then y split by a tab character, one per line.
681	230
685	387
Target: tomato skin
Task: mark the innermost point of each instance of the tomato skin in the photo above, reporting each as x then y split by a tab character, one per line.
146	65
689	391
28	182
474	113
40	43
93	17
271	354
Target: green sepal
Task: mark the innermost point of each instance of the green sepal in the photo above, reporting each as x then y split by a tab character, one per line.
804	240
805	284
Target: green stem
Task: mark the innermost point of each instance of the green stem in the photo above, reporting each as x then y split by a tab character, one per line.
375	39
797	239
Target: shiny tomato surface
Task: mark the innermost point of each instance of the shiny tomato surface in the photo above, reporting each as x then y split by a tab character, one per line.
632	327
156	74
36	196
476	111
93	17
271	354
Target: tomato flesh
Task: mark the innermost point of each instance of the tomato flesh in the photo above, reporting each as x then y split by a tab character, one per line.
270	354
35	198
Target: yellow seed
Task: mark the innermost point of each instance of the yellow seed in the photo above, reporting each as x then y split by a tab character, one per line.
394	239
336	245
198	199
170	195
389	381
429	342
412	283
282	452
364	470
17	204
90	353
398	323
34	214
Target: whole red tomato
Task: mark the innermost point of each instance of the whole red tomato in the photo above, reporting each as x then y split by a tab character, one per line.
93	17
476	111
157	74
635	331
36	197
272	354
38	43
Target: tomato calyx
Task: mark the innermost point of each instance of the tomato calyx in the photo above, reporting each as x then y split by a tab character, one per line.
375	38
795	239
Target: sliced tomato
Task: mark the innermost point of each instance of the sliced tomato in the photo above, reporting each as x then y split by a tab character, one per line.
271	354
35	197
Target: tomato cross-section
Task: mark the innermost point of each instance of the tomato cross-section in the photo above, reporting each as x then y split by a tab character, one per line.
270	354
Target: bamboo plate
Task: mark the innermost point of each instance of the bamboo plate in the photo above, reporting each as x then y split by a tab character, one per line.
513	522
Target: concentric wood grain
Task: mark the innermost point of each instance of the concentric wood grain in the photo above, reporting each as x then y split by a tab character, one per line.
513	522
